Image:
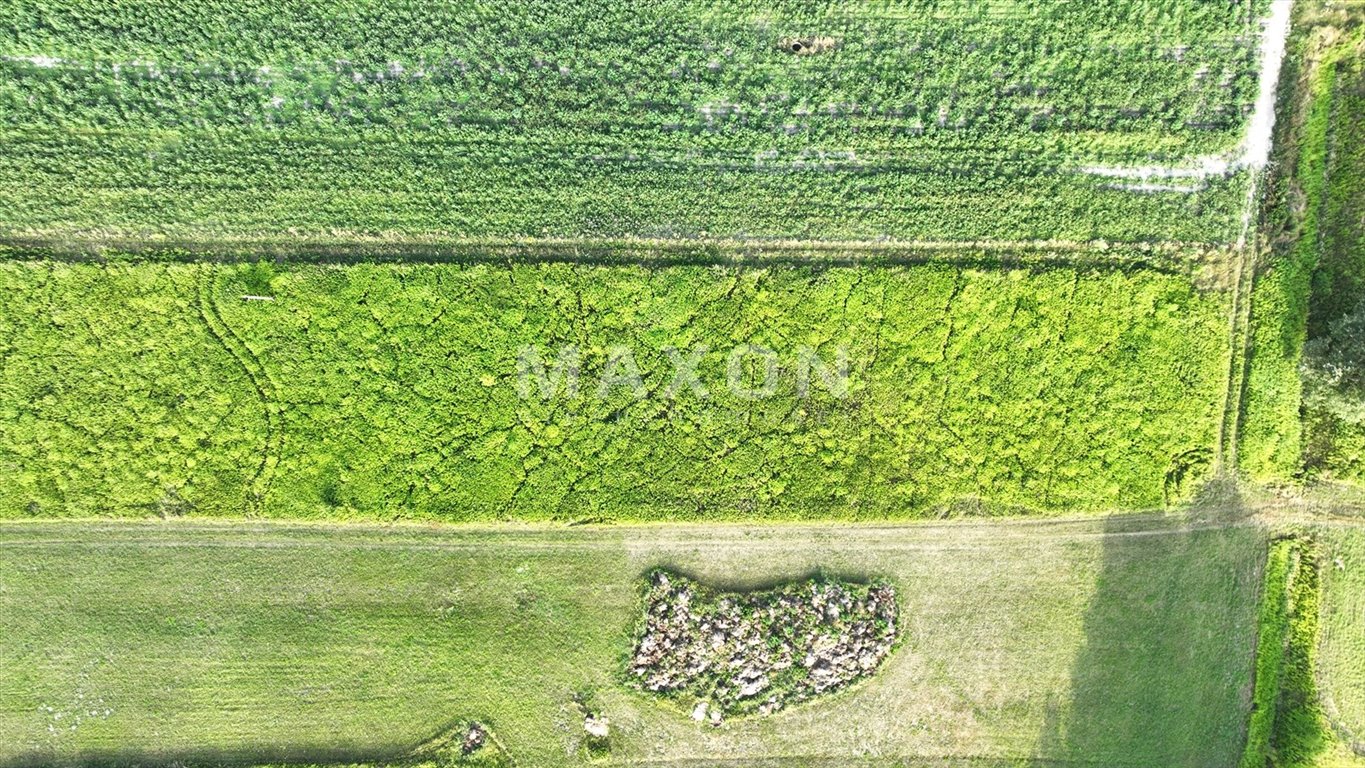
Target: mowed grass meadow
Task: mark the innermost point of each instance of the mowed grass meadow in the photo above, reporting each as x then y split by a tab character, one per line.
1125	641
1342	683
391	392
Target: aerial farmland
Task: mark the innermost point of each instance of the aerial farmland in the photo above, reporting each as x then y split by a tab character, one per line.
769	383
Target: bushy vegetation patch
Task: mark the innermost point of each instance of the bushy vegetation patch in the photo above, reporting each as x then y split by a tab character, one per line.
721	653
442	392
1312	276
1270	651
1301	732
1287	725
1271	440
1333	365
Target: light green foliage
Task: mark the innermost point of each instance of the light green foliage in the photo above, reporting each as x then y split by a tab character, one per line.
1287	723
1055	643
394	391
1272	637
1301	733
671	119
1335	398
1272	438
115	396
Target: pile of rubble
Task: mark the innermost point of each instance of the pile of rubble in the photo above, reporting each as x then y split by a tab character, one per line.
474	739
739	653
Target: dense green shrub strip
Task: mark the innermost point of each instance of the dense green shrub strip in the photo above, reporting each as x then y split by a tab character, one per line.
1301	732
657	118
1271	441
1334	403
1272	635
1287	724
392	391
1314	273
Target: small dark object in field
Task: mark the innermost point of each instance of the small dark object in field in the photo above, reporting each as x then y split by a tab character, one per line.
808	46
474	739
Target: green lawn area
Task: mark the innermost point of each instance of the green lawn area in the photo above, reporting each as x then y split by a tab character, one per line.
205	121
1125	641
1342	682
395	391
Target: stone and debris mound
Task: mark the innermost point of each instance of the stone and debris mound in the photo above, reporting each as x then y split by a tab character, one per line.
744	652
474	739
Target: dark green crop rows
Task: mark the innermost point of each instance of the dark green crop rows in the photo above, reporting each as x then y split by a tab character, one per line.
673	119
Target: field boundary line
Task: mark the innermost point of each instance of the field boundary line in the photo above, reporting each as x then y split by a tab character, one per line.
1239	355
271	535
1170	256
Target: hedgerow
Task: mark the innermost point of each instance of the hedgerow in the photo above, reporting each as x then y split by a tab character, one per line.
1313	271
1271	440
1287	725
1272	635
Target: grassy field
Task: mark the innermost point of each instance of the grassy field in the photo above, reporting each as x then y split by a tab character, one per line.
1124	642
401	391
1343	630
674	119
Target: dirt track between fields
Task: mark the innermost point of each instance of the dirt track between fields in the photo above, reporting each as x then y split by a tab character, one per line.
929	536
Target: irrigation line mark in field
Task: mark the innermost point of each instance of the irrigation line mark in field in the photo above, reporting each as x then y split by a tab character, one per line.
1254	151
608	542
1239	352
1167	256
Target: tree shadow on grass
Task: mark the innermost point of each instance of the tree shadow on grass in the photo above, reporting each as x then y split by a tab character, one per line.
1163	676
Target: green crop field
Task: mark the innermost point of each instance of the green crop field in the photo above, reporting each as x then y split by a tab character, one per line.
212	122
403	391
977	383
1122	642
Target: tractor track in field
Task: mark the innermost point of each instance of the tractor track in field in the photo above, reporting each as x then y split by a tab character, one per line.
1256	153
1239	356
968	535
267	393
